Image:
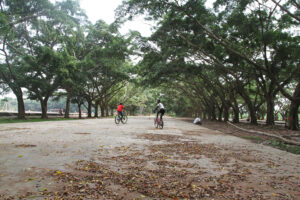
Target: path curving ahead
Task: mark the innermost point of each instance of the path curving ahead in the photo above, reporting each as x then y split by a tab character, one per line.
136	160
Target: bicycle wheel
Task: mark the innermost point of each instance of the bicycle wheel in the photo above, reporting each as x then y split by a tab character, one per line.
161	124
117	119
124	119
155	123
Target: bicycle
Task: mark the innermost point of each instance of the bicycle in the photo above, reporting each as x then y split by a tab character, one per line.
119	118
158	123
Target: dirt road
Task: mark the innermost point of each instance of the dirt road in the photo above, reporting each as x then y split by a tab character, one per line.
96	159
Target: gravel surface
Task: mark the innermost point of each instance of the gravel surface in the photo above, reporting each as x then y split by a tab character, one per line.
97	159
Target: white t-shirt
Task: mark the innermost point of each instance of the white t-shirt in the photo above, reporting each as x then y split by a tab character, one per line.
161	106
197	120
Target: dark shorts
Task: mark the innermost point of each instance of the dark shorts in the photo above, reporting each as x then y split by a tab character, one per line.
162	111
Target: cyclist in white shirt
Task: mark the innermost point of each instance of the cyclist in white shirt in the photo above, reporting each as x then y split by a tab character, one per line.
160	109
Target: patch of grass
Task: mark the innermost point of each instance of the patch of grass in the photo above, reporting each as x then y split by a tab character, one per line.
275	143
14	120
286	147
254	138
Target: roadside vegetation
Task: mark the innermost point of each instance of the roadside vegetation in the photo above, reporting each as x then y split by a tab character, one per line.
258	138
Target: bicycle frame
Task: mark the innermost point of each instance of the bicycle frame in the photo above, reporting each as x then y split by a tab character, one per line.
119	118
158	123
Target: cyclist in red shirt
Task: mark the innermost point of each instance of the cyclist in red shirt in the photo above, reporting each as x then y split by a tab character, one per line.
120	110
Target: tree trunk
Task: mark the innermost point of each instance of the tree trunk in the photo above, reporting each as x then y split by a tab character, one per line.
79	111
236	113
102	110
293	122
96	109
235	108
213	113
251	109
89	109
253	119
293	112
270	110
21	106
220	113
68	102
15	88
226	113
44	107
107	112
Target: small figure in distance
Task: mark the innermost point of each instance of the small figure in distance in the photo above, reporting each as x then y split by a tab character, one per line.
160	109
60	111
197	121
120	110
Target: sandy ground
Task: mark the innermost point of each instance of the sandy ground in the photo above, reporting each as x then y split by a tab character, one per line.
97	159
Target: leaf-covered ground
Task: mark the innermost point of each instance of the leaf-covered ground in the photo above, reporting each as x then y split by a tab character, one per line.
171	171
278	130
182	161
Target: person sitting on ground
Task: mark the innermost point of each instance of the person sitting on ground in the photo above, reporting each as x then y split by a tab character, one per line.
160	109
120	110
197	121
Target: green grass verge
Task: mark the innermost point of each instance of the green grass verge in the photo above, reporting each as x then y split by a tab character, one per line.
254	138
275	143
14	120
286	147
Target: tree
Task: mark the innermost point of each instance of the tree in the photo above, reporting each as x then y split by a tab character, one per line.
260	44
32	29
42	39
42	75
14	16
105	63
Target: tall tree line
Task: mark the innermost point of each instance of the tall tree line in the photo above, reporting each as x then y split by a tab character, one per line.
52	50
239	52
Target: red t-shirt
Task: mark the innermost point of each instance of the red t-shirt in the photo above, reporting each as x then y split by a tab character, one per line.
120	108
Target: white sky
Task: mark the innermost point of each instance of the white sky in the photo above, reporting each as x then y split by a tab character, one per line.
105	10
